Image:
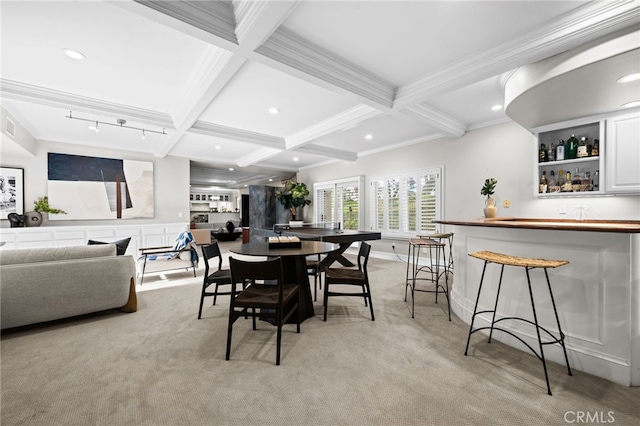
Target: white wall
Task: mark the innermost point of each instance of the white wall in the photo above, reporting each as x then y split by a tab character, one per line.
171	181
502	151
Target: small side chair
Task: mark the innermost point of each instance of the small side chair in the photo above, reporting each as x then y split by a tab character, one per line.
350	277
216	277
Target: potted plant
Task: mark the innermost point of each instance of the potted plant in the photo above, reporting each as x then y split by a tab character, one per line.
41	205
292	196
490	210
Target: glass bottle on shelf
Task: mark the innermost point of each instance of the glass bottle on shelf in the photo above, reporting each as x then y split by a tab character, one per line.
542	188
596	148
551	153
568	186
560	180
553	183
542	154
596	180
576	181
572	147
560	151
586	182
582	148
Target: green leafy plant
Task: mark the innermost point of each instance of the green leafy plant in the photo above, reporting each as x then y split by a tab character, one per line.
42	206
489	187
292	196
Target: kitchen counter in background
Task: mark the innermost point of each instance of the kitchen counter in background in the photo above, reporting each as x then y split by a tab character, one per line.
597	293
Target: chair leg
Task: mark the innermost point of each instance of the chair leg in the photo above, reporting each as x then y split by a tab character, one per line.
215	294
370	301
475	308
201	301
326	296
229	333
535	319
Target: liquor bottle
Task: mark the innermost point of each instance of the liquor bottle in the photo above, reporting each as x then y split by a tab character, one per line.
560	151
596	148
551	153
576	181
568	186
561	180
553	184
542	188
586	182
542	154
596	180
572	147
582	148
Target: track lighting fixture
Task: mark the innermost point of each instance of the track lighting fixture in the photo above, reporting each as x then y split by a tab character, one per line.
120	123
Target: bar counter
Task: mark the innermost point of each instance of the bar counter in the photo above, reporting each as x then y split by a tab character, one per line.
624	226
597	294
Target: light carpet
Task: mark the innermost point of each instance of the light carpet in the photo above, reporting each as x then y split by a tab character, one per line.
163	366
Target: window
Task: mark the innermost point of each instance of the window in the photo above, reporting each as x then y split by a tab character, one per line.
406	204
339	201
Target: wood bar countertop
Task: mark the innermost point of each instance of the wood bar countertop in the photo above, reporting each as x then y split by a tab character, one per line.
590	225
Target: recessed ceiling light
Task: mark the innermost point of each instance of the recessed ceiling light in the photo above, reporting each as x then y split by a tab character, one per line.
496	108
74	54
630	104
295	158
218	147
368	136
230	169
274	110
246	185
270	180
629	78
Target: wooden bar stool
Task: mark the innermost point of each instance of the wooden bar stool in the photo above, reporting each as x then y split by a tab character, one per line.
446	237
527	264
437	260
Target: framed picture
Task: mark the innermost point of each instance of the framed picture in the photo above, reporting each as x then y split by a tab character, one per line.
11	191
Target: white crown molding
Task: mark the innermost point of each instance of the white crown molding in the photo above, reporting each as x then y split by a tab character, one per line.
54	98
448	125
258	156
223	132
213	17
344	120
257	20
290	49
587	23
326	151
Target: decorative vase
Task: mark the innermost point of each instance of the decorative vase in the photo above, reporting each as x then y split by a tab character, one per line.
32	219
490	210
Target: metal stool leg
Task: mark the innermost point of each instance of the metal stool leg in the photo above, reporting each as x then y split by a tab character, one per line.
495	307
555	311
475	308
535	319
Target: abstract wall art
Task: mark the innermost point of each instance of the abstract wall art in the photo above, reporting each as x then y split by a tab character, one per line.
100	188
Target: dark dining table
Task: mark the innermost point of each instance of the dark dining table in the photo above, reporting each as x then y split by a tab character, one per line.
294	264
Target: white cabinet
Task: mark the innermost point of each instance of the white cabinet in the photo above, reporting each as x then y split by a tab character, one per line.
588	168
623	154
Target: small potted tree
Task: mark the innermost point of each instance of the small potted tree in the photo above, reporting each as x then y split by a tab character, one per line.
489	187
41	205
292	196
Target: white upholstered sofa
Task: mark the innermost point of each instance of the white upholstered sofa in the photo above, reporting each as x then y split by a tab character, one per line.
45	284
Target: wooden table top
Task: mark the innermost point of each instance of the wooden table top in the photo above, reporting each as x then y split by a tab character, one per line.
307	248
589	225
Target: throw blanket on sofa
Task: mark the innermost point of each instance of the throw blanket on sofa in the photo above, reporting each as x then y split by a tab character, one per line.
184	241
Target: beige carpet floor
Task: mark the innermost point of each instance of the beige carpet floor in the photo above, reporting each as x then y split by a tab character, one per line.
163	366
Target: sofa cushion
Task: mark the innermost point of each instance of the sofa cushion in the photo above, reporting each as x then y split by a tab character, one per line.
49	254
121	245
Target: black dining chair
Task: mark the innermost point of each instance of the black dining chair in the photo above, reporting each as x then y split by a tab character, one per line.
350	277
264	289
313	270
215	277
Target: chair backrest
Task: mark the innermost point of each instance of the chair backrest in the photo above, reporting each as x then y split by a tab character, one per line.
230	226
249	272
363	256
211	251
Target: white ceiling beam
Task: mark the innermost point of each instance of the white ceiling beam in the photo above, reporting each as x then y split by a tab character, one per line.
584	24
325	151
257	20
54	98
257	156
449	126
339	122
223	132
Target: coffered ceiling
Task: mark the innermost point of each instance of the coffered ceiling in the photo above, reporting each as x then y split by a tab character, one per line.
208	72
